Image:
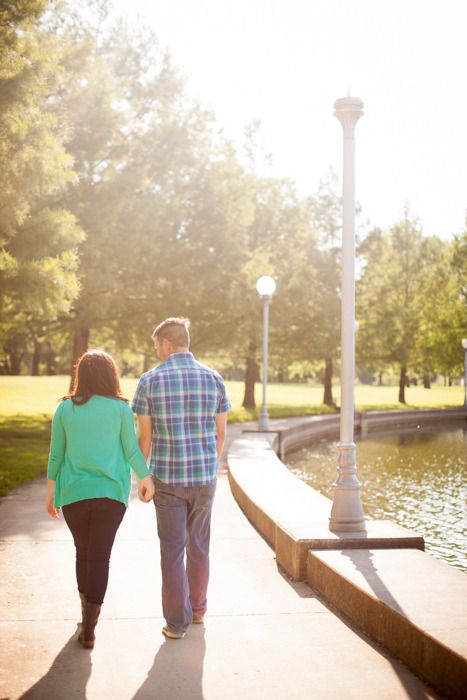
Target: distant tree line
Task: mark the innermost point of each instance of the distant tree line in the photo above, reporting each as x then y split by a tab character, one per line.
122	203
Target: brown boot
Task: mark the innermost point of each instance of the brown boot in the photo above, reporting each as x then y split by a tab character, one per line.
83	613
91	616
83	605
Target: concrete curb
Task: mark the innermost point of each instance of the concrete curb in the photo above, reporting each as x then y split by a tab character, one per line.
293	518
376	590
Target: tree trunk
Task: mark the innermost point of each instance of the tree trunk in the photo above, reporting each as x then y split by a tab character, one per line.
146	362
80	342
380	379
328	400
80	346
50	360
15	362
36	358
281	375
426	381
402	384
251	377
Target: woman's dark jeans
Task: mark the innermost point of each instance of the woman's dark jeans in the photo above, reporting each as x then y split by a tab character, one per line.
93	523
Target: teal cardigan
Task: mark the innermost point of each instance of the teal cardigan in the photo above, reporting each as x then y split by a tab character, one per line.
91	450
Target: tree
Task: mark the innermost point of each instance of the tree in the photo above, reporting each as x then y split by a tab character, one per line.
38	236
444	316
391	297
280	243
323	322
162	198
370	349
458	264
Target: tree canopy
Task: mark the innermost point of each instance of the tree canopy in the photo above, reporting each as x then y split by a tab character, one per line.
38	234
123	203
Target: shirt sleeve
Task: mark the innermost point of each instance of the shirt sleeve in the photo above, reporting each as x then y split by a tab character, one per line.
223	404
131	450
140	404
57	445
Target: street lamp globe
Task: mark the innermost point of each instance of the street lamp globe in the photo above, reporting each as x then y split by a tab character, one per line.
265	286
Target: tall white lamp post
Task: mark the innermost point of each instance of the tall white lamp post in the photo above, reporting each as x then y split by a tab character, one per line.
265	286
464	345
347	512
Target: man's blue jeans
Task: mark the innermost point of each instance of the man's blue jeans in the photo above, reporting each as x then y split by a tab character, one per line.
184	528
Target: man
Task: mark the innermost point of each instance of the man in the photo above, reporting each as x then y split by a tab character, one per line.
182	409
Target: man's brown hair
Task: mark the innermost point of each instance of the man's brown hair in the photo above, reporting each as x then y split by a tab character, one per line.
175	330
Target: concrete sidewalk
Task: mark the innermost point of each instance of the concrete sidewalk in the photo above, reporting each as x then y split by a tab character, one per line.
264	637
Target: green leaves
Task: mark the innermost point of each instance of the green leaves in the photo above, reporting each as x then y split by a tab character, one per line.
122	203
38	239
408	304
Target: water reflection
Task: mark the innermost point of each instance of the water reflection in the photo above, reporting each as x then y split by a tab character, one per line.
416	478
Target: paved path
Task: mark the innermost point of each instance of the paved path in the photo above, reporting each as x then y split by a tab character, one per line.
265	638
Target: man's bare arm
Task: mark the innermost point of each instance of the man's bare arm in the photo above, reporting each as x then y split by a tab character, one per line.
145	435
221	428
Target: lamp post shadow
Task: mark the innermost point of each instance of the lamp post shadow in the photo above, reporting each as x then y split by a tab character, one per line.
364	563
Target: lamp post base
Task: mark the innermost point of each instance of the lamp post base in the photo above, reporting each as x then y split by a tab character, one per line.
346	526
263	422
347	511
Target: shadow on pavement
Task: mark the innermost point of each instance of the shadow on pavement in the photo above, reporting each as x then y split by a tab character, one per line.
301	588
364	563
177	671
67	677
413	689
23	515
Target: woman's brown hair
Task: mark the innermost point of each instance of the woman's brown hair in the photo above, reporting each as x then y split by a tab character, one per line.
95	373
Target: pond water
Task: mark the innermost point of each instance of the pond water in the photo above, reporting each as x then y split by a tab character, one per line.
415	478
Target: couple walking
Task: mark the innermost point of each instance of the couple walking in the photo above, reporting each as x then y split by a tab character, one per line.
182	411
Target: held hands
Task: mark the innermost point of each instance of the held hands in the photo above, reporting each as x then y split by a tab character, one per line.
146	489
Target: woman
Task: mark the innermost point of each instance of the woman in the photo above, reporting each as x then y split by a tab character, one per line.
92	447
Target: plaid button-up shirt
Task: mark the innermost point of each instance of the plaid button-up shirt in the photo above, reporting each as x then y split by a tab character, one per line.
183	398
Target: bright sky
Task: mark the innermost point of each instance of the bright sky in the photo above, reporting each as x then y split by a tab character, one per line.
285	62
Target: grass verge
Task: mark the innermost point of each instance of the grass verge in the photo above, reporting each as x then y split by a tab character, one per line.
240	415
24	446
27	404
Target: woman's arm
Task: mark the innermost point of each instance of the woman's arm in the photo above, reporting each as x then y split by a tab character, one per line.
56	455
57	445
49	503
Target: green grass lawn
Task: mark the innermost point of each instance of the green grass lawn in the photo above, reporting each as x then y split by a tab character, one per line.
32	396
27	404
24	446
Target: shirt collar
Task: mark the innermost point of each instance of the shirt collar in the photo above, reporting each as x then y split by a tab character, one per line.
179	357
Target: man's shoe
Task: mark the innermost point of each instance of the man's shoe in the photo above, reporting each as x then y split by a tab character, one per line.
171	634
198	619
